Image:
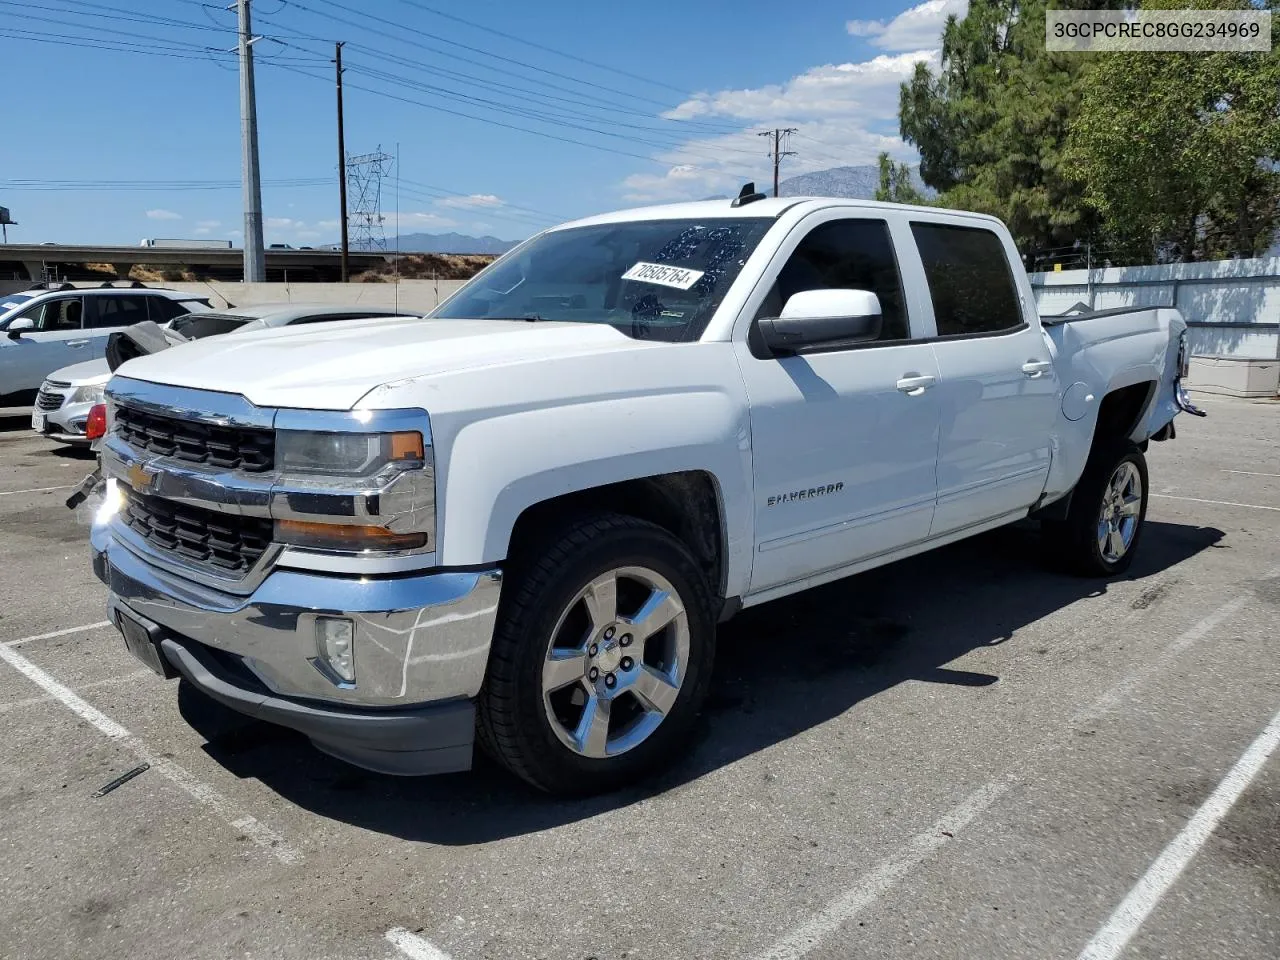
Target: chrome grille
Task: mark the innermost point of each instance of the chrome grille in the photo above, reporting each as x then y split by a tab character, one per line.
48	401
234	448
225	543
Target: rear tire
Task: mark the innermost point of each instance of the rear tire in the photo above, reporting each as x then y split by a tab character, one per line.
1100	534
601	656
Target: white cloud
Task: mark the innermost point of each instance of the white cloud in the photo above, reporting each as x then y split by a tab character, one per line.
844	114
163	215
201	231
208	224
915	27
474	201
867	90
282	223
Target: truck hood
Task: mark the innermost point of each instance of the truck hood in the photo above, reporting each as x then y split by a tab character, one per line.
331	366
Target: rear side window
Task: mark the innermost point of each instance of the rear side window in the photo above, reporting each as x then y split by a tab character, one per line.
162	309
969	279
118	311
853	254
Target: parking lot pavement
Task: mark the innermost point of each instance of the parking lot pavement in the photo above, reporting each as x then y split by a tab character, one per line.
965	754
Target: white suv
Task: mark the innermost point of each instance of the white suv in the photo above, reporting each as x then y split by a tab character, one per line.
42	329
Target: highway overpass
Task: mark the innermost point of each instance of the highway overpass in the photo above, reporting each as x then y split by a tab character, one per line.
29	261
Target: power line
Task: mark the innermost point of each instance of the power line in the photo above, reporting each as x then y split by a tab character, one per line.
581	98
463	46
539	46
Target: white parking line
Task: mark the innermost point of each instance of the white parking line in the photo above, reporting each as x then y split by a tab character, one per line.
107	682
58	633
247	825
10	493
1142	899
1251	473
413	946
881	879
1221	503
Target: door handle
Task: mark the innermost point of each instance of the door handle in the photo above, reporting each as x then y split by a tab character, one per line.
913	384
76	343
1036	368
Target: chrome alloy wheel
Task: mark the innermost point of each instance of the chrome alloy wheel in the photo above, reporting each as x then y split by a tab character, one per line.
1118	518
616	661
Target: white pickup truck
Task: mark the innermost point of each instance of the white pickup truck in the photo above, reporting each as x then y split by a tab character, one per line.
522	517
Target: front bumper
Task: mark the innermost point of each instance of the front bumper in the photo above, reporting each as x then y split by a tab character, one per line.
66	423
421	649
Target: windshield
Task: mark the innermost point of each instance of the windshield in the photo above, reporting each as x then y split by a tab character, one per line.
197	326
10	301
652	279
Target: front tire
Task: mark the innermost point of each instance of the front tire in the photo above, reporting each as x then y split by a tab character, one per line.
1100	535
601	657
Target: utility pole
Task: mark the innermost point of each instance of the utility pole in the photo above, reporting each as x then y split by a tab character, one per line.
255	267
778	153
342	163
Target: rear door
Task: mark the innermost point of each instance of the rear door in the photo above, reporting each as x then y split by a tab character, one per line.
58	340
843	441
998	390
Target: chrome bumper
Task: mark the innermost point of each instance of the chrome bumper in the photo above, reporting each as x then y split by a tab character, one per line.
418	638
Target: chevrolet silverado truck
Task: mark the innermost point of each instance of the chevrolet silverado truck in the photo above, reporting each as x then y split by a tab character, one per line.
520	518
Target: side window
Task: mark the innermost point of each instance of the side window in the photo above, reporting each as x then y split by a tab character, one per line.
162	309
849	255
64	313
969	279
119	311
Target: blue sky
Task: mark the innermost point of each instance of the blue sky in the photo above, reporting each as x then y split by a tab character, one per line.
671	113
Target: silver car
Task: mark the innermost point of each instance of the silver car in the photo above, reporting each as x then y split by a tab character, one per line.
47	329
67	395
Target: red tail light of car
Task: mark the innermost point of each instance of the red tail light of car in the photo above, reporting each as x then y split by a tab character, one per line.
95	428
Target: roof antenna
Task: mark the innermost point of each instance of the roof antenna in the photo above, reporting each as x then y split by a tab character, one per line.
747	195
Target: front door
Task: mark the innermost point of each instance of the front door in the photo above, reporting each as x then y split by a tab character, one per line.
58	340
843	442
999	388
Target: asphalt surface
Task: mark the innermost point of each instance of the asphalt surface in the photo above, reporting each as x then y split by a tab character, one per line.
962	755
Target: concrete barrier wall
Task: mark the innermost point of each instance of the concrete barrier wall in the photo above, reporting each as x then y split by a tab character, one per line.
1232	306
412	295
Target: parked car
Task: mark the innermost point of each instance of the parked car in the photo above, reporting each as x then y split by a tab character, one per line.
47	329
62	406
525	514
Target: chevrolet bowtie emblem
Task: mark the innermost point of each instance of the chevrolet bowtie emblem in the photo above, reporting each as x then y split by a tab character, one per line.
139	476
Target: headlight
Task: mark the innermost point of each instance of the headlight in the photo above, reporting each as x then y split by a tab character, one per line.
90	394
347	455
355	492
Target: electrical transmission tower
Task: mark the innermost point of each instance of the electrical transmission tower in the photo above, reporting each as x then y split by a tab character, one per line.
780	138
364	189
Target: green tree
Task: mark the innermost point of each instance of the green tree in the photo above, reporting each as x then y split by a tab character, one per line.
992	125
895	183
1178	152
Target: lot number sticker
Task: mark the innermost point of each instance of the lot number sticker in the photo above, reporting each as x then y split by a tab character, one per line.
663	274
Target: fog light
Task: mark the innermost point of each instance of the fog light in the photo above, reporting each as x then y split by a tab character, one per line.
335	639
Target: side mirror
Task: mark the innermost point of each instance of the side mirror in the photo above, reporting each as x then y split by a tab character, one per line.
20	326
821	317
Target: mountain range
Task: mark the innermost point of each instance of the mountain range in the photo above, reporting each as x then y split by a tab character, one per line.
448	243
855	183
852	183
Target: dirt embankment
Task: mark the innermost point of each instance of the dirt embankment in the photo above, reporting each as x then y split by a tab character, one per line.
427	266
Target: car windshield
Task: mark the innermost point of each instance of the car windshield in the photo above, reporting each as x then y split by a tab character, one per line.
652	279
9	302
197	326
